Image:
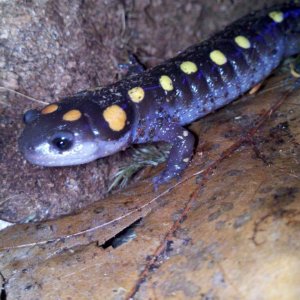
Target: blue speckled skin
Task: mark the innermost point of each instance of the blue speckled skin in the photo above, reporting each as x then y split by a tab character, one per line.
162	115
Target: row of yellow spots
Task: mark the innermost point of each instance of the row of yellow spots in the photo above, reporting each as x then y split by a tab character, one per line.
114	115
137	94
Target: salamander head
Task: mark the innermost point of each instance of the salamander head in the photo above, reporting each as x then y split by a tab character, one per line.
74	132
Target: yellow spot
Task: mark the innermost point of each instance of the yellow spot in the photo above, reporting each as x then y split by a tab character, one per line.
49	109
188	67
72	115
136	94
276	16
186	159
115	116
218	57
242	42
166	83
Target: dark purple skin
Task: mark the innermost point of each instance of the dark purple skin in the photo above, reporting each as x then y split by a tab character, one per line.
162	115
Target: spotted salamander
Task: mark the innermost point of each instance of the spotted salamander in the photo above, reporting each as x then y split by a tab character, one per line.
157	104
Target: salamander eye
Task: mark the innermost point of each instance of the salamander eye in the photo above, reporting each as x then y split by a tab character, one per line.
62	140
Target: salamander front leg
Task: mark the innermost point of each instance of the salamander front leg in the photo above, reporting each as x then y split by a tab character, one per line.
182	142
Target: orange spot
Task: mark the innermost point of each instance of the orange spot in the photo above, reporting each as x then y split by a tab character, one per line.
72	115
49	109
115	116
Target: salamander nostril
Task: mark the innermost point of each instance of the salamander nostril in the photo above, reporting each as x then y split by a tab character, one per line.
30	115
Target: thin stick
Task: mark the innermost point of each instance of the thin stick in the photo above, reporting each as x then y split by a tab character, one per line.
2	88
